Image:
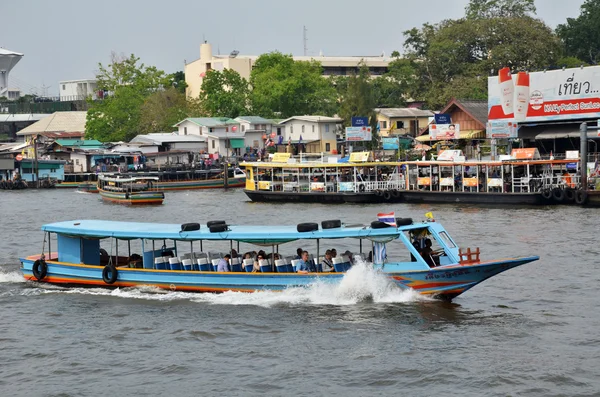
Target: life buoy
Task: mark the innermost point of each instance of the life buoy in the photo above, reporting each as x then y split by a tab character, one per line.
395	193
558	194
547	194
40	269
361	188
569	195
581	197
387	195
109	274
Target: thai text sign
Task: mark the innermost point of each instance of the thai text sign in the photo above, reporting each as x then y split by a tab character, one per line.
543	96
359	157
501	129
358	133
440	132
360	121
442	118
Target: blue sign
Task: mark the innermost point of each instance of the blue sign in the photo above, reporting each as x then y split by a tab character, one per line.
571	166
360	121
442	118
390	143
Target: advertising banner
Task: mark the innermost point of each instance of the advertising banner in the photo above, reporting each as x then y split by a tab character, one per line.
502	129
360	121
390	143
346	186
358	134
544	96
439	132
442	118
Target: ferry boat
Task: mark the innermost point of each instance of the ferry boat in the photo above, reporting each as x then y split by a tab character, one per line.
524	182
93	253
171	179
88	188
130	191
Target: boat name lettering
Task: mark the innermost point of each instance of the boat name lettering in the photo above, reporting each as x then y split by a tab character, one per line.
450	274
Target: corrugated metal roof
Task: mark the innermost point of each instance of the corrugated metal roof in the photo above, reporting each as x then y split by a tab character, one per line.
57	122
4	51
10	118
404	112
79	142
313	119
254	119
159	139
209	121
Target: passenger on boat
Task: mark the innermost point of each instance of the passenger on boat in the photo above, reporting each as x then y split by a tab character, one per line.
327	262
234	253
349	255
298	253
333	253
428	254
256	266
305	265
223	265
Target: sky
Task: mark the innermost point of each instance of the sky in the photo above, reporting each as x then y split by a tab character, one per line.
66	39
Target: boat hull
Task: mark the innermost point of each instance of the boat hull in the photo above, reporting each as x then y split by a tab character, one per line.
201	184
317	197
445	282
417	196
135	198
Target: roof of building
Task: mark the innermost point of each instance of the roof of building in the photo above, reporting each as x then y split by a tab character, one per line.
254	119
15	118
226	135
404	112
477	109
162	138
209	121
57	123
4	51
83	143
313	119
78	81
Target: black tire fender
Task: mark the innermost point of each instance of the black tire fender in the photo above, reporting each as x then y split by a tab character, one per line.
379	225
387	195
395	193
361	188
569	195
581	197
211	223
307	227
404	221
218	228
40	269
558	194
332	224
109	274
547	194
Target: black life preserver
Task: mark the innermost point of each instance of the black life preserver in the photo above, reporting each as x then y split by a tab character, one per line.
210	223
558	194
331	224
361	188
581	197
109	274
307	227
569	195
404	221
379	225
396	193
387	195
40	269
547	194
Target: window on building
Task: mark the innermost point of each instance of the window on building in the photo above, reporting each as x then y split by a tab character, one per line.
326	127
328	147
76	161
383	124
210	130
243	128
399	124
313	128
302	127
64	87
279	131
226	129
213	144
291	129
184	130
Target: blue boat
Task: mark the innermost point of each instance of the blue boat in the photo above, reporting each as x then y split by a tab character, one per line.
419	256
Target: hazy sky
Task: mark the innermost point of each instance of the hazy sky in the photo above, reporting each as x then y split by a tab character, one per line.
65	39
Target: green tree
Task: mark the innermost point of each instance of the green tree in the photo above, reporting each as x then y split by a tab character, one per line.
161	110
177	81
117	117
489	9
282	87
358	101
581	35
224	94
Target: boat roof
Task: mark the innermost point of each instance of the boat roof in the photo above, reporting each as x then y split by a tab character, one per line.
426	163
247	233
129	179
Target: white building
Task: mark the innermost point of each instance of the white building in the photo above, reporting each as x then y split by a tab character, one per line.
159	142
73	90
317	133
8	59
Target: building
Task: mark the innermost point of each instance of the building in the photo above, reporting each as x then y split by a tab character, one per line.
318	134
76	90
332	66
11	123
402	121
256	129
57	125
204	125
160	142
46	169
8	60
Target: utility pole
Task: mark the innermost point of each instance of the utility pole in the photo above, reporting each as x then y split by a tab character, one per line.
35	161
305	39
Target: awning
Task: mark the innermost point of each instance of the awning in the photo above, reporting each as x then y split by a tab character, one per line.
237	143
423	138
563	134
466	134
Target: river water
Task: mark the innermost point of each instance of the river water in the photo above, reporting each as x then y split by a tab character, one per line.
530	331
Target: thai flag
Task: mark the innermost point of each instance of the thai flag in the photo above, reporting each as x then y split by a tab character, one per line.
389	218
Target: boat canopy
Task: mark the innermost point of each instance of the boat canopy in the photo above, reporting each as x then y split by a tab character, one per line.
130	179
266	235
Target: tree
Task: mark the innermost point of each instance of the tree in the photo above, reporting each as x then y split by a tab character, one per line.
117	117
177	80
581	35
161	110
224	94
283	87
358	101
489	9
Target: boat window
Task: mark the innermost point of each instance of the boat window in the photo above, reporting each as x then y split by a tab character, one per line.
444	236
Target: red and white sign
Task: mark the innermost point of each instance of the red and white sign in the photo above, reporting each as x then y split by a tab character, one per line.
439	132
19	157
545	96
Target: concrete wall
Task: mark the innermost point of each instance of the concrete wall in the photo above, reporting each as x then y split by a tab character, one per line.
70	90
191	146
189	128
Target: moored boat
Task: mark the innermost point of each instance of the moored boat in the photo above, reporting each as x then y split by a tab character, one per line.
130	191
88	188
418	256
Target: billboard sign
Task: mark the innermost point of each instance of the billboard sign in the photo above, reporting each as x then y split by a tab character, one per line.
442	118
501	129
354	134
442	132
544	96
360	121
390	143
